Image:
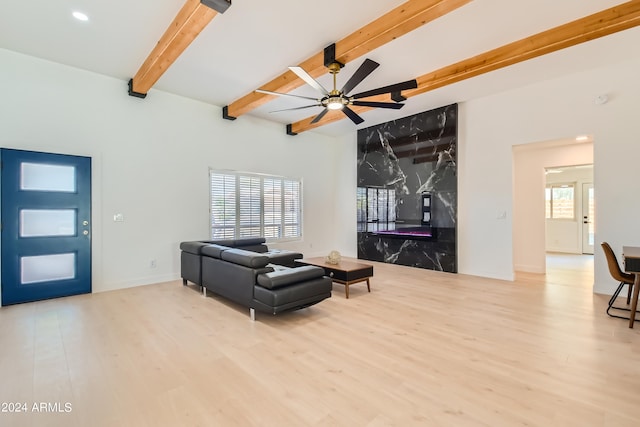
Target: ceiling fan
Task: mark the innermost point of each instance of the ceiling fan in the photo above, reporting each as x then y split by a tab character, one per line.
339	99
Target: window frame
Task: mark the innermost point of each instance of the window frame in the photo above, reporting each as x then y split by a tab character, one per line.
289	216
550	187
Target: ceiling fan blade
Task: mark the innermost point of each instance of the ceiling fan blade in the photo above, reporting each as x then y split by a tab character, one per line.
268	92
392	105
409	84
309	80
352	115
320	116
296	108
361	73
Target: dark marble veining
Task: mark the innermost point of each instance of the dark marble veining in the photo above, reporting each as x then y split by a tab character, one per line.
399	164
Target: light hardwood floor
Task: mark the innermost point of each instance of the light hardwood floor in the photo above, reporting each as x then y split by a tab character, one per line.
422	349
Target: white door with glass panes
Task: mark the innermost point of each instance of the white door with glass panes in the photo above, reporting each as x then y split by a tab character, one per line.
46	229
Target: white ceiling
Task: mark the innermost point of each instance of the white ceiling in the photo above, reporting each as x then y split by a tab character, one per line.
255	40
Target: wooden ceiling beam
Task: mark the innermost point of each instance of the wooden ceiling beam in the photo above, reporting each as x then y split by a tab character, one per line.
399	21
606	22
188	23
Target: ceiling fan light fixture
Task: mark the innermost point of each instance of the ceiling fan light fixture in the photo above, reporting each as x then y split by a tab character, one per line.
335	104
80	16
335	101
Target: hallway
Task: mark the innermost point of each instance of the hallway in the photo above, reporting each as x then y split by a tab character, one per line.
569	270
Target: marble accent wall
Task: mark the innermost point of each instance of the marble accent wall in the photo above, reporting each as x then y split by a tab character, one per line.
400	164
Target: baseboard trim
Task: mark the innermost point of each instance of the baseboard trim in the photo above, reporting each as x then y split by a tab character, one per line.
604	289
141	281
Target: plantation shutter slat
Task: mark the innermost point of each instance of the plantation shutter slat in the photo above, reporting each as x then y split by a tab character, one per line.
223	206
250	207
292	209
272	194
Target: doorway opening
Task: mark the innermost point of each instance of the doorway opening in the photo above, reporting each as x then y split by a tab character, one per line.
569	224
550	231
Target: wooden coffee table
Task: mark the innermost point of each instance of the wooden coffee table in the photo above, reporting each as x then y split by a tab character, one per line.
345	272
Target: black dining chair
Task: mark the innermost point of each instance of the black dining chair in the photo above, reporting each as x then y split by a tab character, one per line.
620	276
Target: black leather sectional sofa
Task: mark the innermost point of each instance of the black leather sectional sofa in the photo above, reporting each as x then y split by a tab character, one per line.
247	272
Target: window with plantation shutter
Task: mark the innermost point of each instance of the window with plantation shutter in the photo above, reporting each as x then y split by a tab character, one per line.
252	205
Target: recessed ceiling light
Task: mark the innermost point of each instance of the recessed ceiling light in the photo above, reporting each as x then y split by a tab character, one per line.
80	16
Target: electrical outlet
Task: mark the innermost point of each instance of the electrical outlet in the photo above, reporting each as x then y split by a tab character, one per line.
153	263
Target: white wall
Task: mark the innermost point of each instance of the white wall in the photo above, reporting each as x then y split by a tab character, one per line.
150	162
346	236
529	163
558	108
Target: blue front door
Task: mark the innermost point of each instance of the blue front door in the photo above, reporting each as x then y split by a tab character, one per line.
46	230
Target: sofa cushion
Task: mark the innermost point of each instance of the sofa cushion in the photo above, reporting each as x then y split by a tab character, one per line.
255	248
294	296
239	243
249	241
223	242
278	267
192	247
283	257
278	279
214	251
246	258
